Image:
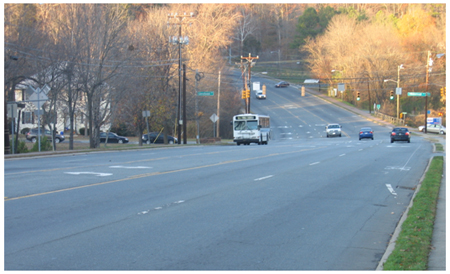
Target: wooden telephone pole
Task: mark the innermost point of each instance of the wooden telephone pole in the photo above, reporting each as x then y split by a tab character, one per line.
247	87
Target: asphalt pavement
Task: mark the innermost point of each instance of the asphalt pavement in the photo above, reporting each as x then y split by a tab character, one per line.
436	259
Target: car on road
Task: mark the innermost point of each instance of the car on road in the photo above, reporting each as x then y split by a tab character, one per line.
333	130
158	138
260	95
366	132
400	134
282	84
113	138
32	135
434	129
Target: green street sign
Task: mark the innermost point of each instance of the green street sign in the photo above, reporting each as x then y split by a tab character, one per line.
205	93
421	94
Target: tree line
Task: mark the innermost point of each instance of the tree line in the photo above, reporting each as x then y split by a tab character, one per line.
119	57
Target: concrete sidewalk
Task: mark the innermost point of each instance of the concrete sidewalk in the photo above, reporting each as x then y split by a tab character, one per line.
437	258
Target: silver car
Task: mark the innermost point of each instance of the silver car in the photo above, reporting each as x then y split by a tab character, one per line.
333	130
434	129
260	95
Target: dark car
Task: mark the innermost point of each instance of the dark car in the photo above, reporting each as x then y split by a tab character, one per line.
113	138
158	138
32	135
282	84
400	134
366	132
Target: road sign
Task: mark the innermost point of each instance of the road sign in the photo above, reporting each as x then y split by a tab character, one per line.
45	89
421	94
205	93
398	91
38	99
214	118
12	110
341	87
146	113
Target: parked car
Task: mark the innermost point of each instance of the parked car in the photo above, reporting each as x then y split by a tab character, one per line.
113	138
434	129
32	135
333	130
366	132
400	134
158	138
282	84
260	95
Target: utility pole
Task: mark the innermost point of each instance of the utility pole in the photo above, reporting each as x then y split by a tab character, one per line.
184	105
218	107
249	66
426	91
244	81
179	40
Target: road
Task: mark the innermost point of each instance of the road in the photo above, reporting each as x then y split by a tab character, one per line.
303	202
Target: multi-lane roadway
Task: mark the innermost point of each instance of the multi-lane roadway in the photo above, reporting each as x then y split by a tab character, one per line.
303	202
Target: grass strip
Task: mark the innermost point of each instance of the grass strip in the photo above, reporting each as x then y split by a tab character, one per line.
413	244
439	147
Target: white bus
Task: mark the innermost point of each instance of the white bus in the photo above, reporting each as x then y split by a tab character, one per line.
251	128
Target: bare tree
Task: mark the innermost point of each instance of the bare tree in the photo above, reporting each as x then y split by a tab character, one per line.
102	54
246	26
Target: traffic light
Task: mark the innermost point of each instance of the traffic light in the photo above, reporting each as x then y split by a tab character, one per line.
245	94
440	114
443	91
392	95
358	96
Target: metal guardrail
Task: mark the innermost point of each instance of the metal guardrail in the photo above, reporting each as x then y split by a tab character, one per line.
390	119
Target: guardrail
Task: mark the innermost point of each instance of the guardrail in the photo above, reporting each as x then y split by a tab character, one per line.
390	119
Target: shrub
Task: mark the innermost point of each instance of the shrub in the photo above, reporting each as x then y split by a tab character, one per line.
21	147
45	145
82	130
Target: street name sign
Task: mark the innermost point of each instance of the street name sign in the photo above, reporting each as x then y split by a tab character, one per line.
205	93
421	94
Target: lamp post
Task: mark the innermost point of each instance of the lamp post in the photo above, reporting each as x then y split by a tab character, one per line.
398	86
179	40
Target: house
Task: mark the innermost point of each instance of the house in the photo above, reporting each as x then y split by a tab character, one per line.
26	92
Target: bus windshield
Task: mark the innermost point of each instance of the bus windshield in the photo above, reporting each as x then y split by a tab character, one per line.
252	125
243	125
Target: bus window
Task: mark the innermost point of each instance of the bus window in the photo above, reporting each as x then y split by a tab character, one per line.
252	125
239	125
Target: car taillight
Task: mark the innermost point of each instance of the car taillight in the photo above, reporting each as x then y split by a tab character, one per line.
360	132
393	133
407	133
371	132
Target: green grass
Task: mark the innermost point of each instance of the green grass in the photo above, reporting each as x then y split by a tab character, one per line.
439	147
414	241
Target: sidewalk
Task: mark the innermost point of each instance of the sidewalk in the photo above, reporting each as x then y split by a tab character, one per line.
437	258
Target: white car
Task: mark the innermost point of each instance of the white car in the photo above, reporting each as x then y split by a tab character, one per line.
434	129
260	95
333	130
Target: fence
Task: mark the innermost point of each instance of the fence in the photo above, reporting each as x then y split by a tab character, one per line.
390	119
